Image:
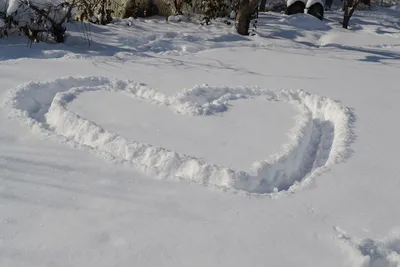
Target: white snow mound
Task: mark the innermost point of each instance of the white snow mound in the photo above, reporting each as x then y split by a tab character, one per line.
312	2
305	21
395	7
174	18
291	2
12	6
320	139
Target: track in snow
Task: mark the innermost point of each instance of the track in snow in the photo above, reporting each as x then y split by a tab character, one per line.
320	139
371	253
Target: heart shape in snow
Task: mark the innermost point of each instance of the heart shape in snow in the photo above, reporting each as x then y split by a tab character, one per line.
248	131
322	136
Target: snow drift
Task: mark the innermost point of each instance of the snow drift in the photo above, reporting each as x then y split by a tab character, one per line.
395	7
320	139
305	21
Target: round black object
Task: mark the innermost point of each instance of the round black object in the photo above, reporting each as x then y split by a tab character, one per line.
316	10
295	8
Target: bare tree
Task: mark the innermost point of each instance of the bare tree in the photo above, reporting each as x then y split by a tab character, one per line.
263	3
349	6
37	20
57	28
103	12
246	9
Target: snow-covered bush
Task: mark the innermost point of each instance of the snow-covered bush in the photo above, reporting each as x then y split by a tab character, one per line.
212	9
275	5
101	11
38	19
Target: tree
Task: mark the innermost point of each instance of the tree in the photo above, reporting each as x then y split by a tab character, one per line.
263	3
349	6
246	9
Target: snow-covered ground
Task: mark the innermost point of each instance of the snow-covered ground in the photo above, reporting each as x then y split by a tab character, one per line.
175	144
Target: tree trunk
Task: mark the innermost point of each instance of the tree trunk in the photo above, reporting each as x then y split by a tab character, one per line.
348	13
243	18
129	10
103	12
346	20
346	17
263	3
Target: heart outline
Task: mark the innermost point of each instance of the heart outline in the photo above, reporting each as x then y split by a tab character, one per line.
322	136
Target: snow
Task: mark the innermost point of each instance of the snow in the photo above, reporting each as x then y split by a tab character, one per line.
12	6
220	145
320	138
291	2
305	21
175	144
373	253
174	19
312	2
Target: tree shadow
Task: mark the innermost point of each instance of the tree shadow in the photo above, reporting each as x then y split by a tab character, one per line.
17	48
279	33
374	55
129	45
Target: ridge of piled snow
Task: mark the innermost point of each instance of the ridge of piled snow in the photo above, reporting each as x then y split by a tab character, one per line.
320	138
305	21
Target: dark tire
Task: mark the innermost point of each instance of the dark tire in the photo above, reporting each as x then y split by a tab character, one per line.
295	8
316	10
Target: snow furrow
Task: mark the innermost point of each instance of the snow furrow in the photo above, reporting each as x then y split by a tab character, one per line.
369	252
320	138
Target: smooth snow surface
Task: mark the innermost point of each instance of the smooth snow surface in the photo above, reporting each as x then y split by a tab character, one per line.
176	144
